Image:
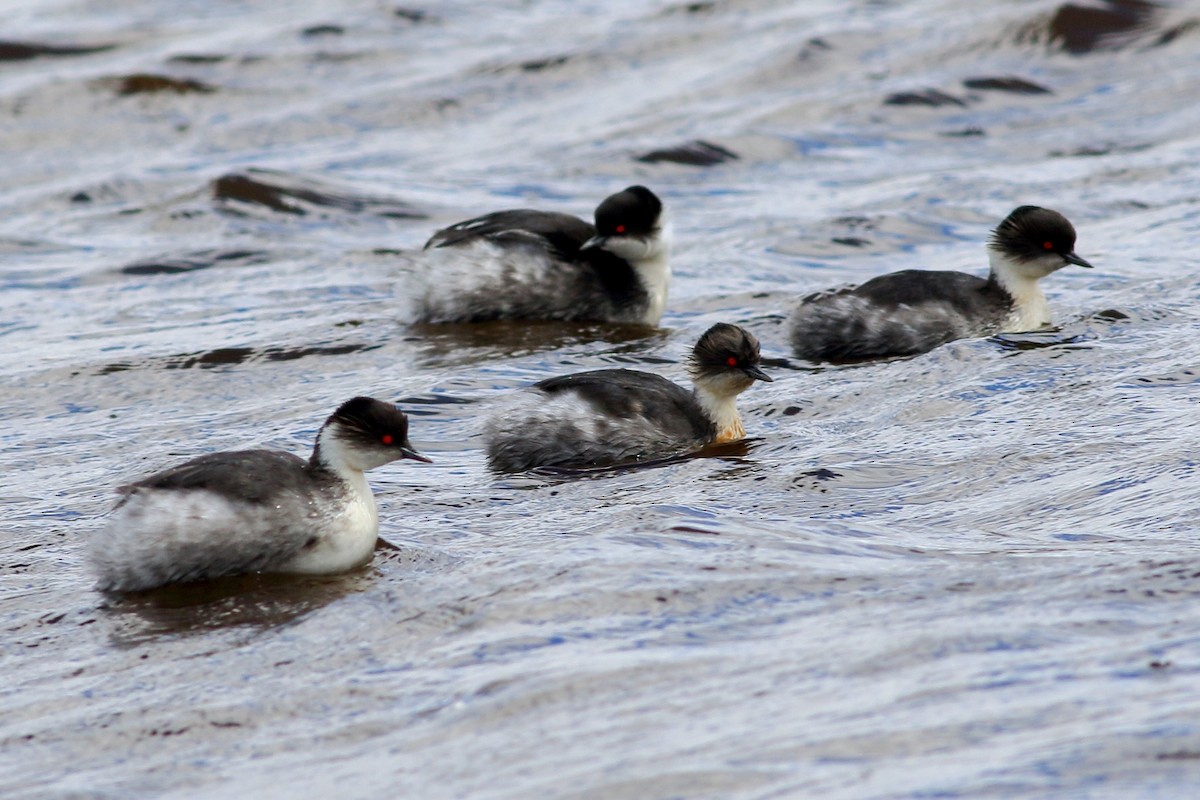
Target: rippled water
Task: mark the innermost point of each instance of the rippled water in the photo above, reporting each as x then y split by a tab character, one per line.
967	574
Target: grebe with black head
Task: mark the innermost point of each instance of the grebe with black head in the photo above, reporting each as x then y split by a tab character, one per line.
912	311
256	510
543	265
616	416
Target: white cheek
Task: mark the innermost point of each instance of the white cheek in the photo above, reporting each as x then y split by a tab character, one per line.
360	458
1042	266
631	248
730	383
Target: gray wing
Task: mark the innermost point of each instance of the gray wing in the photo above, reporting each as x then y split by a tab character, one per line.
627	393
968	294
252	476
898	314
562	234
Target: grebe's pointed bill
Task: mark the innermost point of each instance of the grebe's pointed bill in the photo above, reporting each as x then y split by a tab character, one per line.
755	371
594	243
1076	260
409	452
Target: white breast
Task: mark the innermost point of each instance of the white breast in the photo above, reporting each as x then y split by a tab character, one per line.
345	532
722	410
1030	309
651	260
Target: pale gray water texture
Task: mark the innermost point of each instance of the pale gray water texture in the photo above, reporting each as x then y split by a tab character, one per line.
967	574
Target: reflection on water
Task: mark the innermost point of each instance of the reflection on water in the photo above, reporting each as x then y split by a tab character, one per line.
441	346
244	601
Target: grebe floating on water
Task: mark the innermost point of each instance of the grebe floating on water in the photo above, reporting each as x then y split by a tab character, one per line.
912	311
528	264
256	510
615	416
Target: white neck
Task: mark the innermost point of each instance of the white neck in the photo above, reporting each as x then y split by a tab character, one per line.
1030	310
348	533
657	276
655	273
651	260
721	408
339	459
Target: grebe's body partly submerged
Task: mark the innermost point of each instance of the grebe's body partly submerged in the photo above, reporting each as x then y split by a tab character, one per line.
256	510
616	416
912	311
529	264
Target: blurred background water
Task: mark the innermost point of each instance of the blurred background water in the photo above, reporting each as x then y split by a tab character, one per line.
968	574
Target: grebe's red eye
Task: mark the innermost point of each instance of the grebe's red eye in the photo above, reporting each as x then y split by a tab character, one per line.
620	229
1048	245
387	438
731	361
